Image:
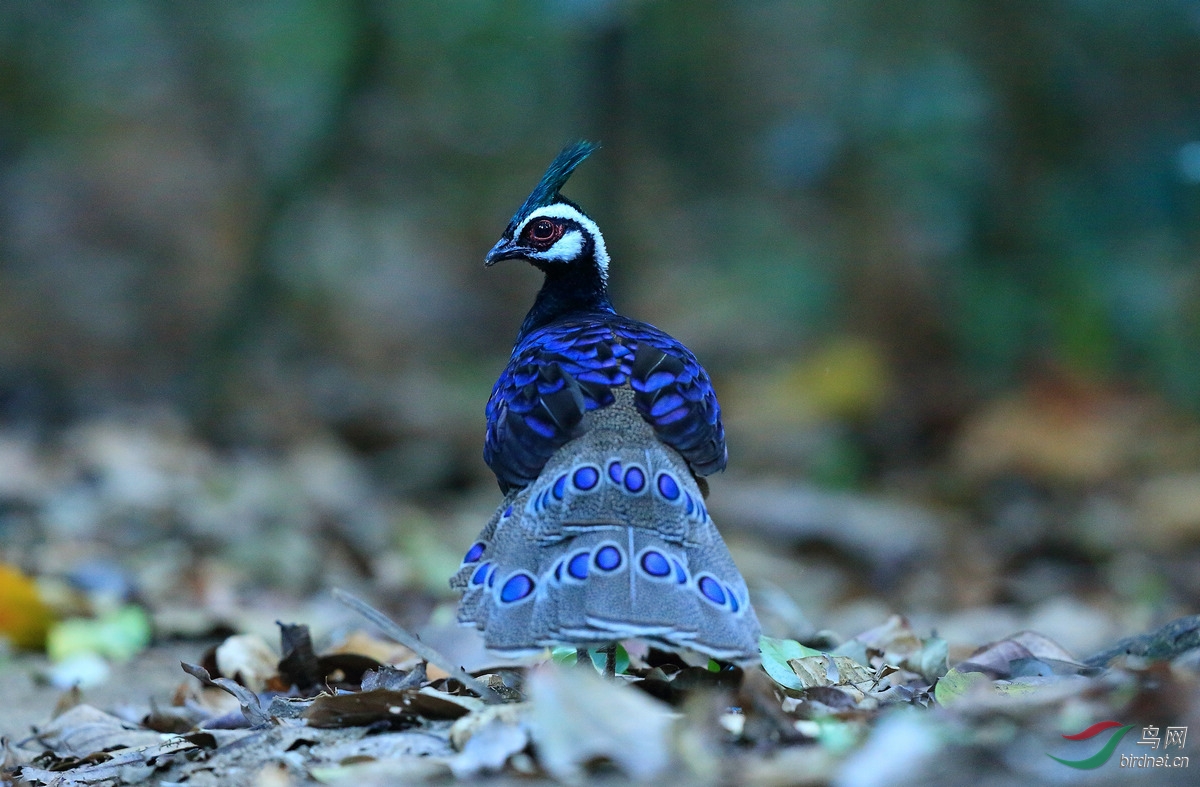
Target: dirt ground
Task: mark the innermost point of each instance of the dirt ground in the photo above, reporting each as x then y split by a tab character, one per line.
30	701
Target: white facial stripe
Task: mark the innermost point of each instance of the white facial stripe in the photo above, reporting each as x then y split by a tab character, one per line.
565	249
569	246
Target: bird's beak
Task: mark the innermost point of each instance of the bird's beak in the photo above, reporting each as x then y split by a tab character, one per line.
504	249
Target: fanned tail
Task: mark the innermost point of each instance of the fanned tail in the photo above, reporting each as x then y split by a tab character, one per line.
612	541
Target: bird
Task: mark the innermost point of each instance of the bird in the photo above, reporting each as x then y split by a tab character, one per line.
600	432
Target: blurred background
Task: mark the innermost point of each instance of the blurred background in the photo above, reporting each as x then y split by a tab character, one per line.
939	257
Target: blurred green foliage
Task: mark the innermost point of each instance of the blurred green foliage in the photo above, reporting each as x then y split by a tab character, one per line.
274	213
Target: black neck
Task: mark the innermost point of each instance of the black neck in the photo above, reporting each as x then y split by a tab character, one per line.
570	288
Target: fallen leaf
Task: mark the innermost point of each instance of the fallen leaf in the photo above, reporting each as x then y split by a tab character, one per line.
248	659
462	729
85	729
569	656
825	670
386	677
576	717
119	635
987	694
955	685
776	653
248	700
895	643
24	617
1024	654
402	708
489	748
299	666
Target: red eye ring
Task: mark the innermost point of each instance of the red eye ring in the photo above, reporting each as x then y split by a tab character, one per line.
542	233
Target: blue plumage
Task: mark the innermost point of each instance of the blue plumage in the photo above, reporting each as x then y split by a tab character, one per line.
599	430
566	368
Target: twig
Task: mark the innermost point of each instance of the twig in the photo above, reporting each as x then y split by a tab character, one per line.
410	641
251	706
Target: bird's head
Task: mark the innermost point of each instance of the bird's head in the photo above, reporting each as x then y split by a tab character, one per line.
550	231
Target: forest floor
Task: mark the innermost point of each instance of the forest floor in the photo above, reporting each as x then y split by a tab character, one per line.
920	632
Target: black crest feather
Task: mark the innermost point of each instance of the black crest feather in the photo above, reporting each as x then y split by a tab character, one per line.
557	174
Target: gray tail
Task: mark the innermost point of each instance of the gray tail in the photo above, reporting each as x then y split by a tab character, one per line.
611	542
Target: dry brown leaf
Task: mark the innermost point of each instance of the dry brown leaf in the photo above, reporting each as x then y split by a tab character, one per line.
85	729
826	670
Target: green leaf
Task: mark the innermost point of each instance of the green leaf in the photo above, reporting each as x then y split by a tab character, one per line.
119	634
622	659
955	685
566	655
776	653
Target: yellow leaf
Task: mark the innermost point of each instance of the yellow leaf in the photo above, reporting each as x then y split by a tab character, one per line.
24	617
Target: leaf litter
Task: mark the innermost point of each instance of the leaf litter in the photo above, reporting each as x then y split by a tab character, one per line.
885	706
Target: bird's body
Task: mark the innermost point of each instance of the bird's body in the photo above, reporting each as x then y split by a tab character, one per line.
573	365
598	431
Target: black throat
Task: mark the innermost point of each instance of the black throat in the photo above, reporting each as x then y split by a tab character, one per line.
570	288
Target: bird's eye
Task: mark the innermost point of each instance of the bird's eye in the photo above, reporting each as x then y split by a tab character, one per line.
544	232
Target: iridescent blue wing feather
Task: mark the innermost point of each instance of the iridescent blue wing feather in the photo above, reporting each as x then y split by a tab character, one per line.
673	393
567	368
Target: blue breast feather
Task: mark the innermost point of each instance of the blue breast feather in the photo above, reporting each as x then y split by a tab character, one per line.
564	369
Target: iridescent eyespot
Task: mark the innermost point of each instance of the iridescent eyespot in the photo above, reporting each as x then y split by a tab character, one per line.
608	558
585	478
668	487
516	587
475	552
635	480
655	563
480	574
712	590
577	566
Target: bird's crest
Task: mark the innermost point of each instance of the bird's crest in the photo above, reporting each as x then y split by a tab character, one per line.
557	174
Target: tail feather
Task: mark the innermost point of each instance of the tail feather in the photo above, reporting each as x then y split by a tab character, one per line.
611	542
